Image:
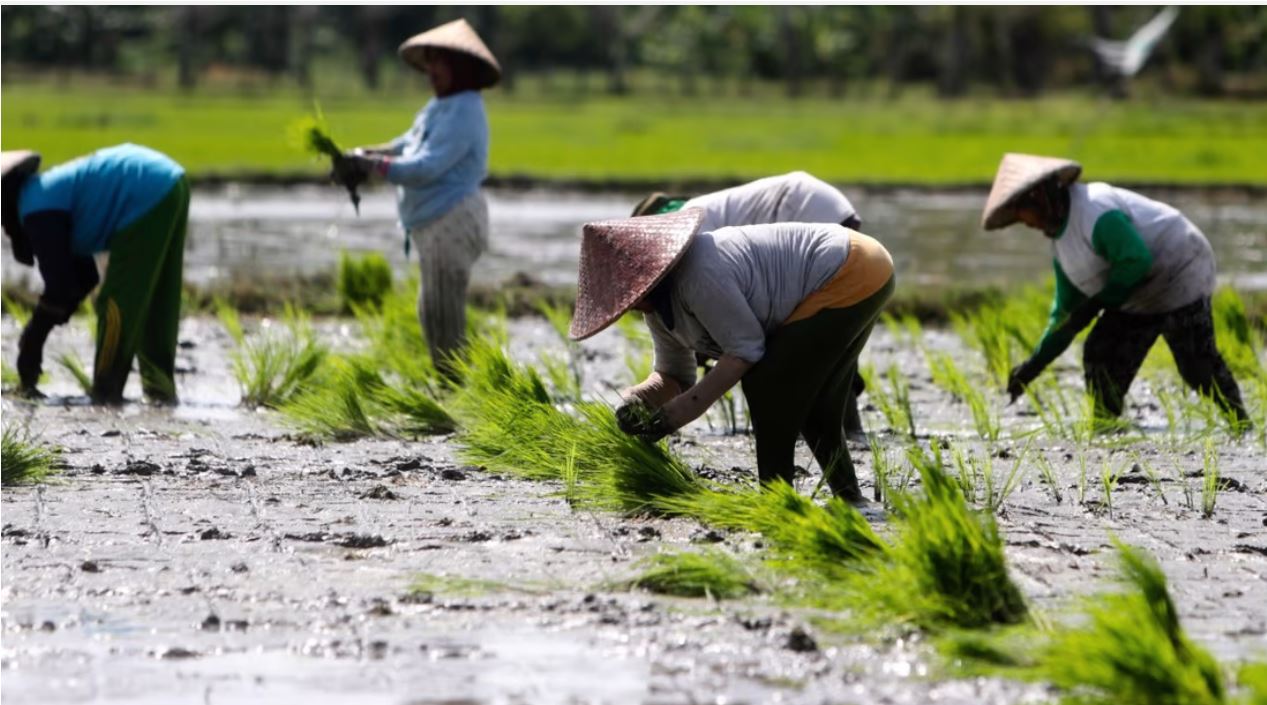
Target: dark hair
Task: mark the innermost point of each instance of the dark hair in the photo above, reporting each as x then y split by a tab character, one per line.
1050	199
467	72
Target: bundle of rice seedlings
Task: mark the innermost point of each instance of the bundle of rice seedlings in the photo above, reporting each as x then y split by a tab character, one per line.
944	568
351	399
711	574
823	541
1127	648
23	460
363	280
509	424
313	135
272	365
457	586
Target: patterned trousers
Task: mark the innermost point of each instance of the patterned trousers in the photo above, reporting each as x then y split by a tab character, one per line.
1120	341
447	249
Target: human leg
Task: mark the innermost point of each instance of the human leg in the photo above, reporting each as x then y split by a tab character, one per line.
1189	332
1111	357
447	249
137	256
157	353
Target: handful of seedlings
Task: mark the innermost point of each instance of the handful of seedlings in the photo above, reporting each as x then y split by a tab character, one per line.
315	138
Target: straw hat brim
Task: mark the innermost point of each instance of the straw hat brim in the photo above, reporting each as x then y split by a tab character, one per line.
1017	175
623	260
457	36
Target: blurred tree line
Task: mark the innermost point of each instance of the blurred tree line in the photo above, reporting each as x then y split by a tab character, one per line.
693	50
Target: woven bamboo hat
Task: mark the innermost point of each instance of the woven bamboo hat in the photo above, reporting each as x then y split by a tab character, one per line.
1018	173
622	261
458	36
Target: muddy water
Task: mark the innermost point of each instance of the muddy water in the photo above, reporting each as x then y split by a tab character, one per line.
252	232
203	555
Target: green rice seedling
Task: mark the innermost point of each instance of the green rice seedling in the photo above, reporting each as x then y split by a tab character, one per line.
21	312
9	378
230	320
1209	480
364	280
1048	476
894	402
24	460
272	365
825	542
561	375
1127	648
974	472
1151	473
560	319
1082	477
944	569
1108	482
888	477
1238	341
72	364
1253	681
156	382
711	573
947	375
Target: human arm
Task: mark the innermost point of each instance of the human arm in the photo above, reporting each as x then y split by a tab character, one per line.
68	279
1069	308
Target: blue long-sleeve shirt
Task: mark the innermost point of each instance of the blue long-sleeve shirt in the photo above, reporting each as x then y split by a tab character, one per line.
441	159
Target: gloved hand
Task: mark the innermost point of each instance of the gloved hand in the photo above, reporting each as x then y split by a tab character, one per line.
351	169
1021	376
637	419
31	351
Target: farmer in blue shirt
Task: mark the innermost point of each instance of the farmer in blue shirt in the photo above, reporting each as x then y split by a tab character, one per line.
126	203
437	167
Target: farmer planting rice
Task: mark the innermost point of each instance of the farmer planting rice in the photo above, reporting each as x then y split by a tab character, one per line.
796	197
128	204
785	309
437	167
1138	264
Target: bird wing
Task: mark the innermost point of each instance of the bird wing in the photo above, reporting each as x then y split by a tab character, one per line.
1141	44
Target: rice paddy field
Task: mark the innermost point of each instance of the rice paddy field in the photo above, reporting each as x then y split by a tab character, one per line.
325	518
552	129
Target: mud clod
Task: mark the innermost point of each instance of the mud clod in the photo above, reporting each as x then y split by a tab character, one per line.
178	652
379	492
476	537
362	541
90	567
800	641
452	474
214	534
239	567
143	468
211	623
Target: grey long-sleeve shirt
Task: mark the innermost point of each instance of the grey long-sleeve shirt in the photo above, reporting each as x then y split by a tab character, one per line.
736	285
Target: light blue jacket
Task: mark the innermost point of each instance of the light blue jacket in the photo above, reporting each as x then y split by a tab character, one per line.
441	159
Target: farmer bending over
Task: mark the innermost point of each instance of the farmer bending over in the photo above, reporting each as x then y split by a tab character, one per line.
784	308
437	167
126	203
797	197
1141	262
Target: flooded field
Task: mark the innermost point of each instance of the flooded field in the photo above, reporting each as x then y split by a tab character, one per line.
207	554
935	237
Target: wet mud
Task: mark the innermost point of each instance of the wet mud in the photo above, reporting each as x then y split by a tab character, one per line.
205	554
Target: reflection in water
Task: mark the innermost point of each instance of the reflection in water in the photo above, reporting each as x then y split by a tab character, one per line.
935	237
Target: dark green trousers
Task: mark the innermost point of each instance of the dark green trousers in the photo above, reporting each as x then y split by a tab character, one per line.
138	306
803	386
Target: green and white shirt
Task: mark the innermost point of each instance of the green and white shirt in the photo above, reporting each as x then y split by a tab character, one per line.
1134	254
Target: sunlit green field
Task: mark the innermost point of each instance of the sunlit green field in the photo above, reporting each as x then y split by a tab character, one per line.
913	139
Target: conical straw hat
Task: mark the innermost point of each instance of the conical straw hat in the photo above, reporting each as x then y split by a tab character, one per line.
459	36
1018	173
622	261
21	161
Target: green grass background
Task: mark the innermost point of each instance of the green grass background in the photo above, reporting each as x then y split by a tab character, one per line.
914	139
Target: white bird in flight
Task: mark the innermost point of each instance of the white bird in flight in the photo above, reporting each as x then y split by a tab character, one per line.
1126	58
